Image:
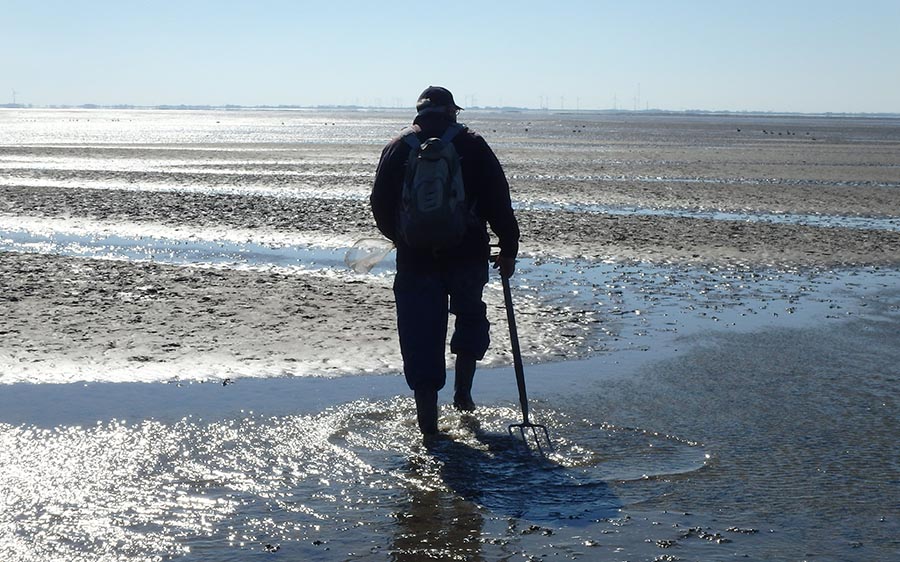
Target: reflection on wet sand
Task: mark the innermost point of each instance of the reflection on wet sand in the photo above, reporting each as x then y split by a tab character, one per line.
437	525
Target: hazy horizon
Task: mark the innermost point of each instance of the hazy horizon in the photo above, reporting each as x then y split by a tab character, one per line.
550	110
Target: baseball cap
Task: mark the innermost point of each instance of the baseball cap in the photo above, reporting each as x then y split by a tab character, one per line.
434	99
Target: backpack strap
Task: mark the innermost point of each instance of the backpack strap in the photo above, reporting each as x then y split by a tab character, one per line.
410	135
451	132
411	138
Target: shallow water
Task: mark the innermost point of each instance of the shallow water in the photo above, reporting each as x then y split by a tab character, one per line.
770	444
825	221
226	487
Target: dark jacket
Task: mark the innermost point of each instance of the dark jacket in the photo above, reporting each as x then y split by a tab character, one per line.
486	189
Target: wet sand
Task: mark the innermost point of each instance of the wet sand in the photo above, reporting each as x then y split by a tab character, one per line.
69	319
67	316
720	388
72	319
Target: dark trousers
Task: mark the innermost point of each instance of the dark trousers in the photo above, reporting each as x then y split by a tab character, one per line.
424	299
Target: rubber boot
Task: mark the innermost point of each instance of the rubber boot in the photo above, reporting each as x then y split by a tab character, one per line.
462	385
427	410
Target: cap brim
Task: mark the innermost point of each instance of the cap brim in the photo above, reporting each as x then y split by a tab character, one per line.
437	109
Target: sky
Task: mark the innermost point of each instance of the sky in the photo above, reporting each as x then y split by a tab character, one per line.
808	56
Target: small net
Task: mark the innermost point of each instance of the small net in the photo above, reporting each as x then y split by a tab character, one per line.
367	253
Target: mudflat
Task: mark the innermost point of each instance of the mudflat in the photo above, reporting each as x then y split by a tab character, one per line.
683	191
708	307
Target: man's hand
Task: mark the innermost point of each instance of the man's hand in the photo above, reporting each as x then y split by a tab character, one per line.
507	266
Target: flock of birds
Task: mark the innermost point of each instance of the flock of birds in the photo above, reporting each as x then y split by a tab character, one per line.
779	133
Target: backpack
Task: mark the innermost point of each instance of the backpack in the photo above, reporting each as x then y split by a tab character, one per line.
433	212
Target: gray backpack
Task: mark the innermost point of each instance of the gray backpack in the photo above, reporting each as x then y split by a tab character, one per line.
433	212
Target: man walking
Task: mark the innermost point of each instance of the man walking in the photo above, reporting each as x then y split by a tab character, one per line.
434	277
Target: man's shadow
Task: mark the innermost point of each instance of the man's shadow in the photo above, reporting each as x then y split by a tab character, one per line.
497	475
511	476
